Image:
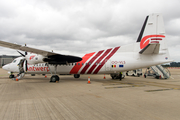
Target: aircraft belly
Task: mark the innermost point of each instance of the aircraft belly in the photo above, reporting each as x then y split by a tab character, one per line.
63	69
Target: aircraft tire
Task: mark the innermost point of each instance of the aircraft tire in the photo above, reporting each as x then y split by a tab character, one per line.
157	77
11	76
76	75
54	78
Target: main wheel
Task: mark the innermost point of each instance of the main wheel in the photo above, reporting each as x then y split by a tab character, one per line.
76	75
54	78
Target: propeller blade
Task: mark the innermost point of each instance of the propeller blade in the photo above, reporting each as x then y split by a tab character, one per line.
26	65
21	53
25	51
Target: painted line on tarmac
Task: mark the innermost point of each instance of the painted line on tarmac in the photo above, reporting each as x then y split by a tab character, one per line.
157	90
176	88
125	86
107	84
162	90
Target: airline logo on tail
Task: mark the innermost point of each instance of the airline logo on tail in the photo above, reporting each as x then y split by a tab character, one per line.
150	39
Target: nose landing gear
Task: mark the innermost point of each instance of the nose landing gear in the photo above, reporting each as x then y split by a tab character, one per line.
11	76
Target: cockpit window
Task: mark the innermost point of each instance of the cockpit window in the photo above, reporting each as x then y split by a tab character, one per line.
14	61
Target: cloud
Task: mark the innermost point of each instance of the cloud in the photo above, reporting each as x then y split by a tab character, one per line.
83	25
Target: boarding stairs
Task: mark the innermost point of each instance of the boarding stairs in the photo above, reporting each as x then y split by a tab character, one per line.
158	72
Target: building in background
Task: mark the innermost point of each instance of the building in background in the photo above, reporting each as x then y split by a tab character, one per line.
175	64
5	59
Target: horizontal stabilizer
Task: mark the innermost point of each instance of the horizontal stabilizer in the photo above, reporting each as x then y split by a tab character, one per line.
151	48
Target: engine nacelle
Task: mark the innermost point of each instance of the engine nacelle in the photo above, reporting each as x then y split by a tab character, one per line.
34	59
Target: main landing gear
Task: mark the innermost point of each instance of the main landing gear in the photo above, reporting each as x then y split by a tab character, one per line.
54	78
76	75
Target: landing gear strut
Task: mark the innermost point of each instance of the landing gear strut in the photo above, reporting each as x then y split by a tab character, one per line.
55	77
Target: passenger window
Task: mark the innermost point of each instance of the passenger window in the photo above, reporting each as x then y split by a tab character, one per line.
78	63
89	63
82	63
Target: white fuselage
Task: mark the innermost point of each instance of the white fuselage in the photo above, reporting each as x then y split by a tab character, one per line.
112	60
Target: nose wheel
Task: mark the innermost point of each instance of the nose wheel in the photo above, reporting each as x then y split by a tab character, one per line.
54	78
11	76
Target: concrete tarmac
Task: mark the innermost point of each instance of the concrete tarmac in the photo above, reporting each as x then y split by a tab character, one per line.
133	98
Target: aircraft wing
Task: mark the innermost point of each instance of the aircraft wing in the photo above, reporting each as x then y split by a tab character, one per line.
51	57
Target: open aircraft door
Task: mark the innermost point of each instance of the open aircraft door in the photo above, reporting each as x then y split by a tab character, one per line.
22	66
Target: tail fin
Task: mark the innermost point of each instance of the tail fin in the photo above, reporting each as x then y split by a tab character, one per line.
152	35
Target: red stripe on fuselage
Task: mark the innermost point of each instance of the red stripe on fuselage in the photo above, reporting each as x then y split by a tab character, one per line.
98	61
76	68
91	61
105	60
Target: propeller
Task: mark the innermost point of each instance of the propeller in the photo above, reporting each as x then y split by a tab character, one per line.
25	51
22	54
26	66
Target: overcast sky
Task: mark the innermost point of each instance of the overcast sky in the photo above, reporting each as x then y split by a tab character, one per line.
81	26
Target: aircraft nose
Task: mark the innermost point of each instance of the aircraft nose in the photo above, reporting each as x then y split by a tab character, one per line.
5	67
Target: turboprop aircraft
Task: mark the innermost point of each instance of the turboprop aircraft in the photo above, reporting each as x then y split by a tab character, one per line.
150	49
